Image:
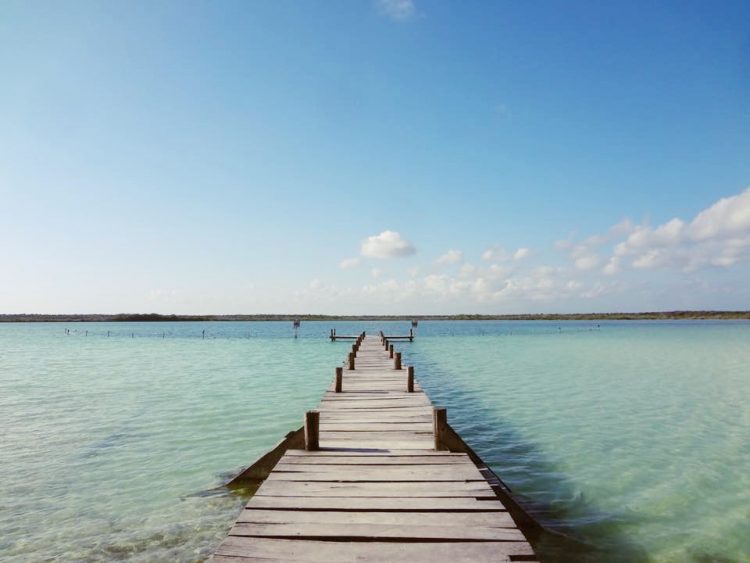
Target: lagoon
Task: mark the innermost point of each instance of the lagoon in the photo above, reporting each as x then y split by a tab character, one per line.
632	437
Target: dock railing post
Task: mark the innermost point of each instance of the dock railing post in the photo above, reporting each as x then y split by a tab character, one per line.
439	424
410	379
397	361
339	379
312	435
390	351
351	361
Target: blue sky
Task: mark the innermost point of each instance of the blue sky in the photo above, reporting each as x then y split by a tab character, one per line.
374	157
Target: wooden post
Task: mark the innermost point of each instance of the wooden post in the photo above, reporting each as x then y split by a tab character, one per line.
410	379
439	423
332	338
390	351
339	379
385	343
351	360
397	361
312	436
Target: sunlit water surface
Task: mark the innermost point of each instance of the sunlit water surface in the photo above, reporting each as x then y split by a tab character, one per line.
632	438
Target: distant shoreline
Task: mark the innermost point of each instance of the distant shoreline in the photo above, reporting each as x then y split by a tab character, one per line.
153	317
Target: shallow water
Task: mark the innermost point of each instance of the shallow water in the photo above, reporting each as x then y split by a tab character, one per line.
632	437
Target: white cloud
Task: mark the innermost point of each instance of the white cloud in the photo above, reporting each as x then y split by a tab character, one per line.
718	236
437	283
585	257
388	244
497	271
495	254
349	263
397	10
601	270
728	217
467	270
613	266
450	257
389	289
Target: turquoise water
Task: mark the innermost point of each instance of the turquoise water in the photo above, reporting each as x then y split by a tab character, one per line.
632	438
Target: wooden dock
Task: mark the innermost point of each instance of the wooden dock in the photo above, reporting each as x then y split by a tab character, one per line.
371	479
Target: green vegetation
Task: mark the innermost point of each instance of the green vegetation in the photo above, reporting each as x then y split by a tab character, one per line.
154	317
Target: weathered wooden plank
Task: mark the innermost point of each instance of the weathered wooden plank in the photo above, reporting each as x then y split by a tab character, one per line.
369	532
387	452
383	444
372	376
457	472
364	415
334	407
460	470
366	404
490	519
373	392
395	384
368	436
473	489
389	416
403	475
411	504
340	551
368	400
375	426
350	418
373	460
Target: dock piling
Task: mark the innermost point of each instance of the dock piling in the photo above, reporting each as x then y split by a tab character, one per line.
439	424
397	361
390	351
351	361
312	431
339	379
410	379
